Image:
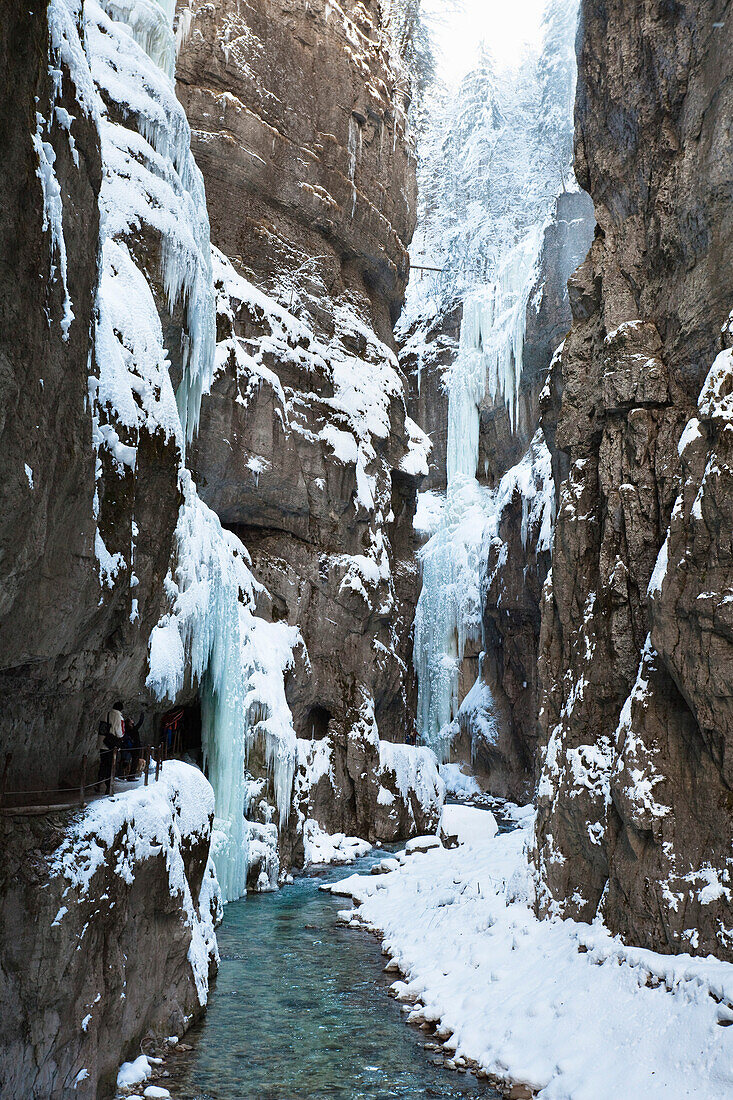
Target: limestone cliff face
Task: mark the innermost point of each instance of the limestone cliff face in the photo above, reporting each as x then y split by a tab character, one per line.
88	447
48	599
299	128
635	809
305	449
117	581
518	557
93	220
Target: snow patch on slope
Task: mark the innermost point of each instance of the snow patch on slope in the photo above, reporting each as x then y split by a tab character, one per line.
138	825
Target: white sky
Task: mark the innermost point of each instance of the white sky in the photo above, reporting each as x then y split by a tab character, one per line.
505	26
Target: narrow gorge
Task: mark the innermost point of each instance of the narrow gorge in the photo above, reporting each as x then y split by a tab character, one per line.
365	375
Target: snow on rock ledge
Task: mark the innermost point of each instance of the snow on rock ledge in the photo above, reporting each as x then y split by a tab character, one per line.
129	900
364	787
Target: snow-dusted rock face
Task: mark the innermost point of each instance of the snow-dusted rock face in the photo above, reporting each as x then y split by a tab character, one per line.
298	111
108	303
365	787
505	437
517	554
502	226
634	796
114	308
107	934
49	589
305	448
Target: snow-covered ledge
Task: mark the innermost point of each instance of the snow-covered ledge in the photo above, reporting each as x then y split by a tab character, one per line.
115	906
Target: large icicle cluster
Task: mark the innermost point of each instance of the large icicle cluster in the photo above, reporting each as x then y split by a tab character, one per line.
151	23
448	614
151	179
150	186
213	636
66	49
492	337
449	610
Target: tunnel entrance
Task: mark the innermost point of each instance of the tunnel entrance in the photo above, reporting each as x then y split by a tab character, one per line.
180	732
317	723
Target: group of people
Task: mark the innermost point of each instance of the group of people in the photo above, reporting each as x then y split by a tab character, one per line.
122	734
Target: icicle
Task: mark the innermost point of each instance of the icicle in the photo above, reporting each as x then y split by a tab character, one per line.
183	28
165	169
150	177
151	24
239	661
53	210
65	48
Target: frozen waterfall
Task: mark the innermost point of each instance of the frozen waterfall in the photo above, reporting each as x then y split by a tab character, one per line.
489	360
213	637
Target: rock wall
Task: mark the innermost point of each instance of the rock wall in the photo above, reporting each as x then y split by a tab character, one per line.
48	602
426	353
323	167
107	934
305	449
634	797
566	241
363	787
518	556
94	270
118	581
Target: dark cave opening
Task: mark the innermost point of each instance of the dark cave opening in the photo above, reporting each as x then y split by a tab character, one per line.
317	723
179	732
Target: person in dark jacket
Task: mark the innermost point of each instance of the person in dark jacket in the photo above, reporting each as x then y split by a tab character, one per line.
111	734
132	747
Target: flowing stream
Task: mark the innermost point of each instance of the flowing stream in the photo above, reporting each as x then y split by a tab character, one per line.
300	1011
